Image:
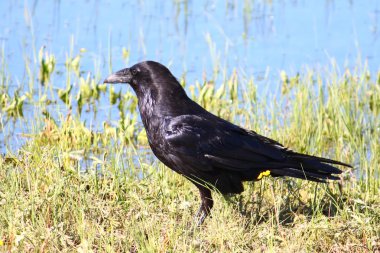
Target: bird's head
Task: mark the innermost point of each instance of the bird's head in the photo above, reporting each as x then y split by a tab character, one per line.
144	76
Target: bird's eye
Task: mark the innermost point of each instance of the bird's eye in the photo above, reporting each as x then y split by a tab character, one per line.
134	72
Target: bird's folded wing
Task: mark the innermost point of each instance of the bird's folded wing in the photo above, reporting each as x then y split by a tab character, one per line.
220	144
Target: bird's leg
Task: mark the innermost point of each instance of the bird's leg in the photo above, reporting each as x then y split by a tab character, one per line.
206	205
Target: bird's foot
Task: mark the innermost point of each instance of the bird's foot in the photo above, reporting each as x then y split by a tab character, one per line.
200	216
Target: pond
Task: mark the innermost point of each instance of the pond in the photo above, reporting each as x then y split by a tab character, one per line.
193	38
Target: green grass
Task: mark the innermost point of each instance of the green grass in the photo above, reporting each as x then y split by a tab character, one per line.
70	188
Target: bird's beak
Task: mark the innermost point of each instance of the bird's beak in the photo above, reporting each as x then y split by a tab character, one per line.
121	76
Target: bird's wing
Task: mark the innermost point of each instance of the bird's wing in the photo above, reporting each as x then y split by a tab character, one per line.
212	142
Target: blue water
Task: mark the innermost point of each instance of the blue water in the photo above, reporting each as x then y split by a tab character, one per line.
250	35
191	37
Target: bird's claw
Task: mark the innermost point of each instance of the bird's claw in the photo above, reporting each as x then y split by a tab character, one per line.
200	216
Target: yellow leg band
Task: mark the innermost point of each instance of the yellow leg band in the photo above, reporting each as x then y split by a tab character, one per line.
263	174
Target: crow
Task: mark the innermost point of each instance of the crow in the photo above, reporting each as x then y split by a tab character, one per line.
211	152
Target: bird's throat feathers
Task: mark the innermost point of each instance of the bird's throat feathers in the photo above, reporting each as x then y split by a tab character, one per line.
163	98
147	103
169	97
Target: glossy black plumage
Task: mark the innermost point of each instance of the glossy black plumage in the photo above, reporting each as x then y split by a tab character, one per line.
210	151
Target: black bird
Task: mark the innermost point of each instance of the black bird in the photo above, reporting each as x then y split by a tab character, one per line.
211	152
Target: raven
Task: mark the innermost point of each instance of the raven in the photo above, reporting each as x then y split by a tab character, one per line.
211	152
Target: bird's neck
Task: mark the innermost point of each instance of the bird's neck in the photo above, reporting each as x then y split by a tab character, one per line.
155	105
147	104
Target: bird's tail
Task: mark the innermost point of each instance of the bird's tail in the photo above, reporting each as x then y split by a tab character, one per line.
309	167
